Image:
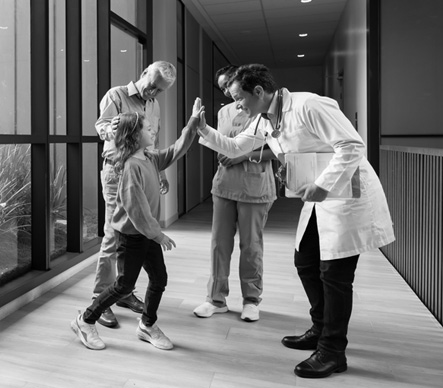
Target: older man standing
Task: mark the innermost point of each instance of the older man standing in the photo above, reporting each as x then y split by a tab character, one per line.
331	233
139	97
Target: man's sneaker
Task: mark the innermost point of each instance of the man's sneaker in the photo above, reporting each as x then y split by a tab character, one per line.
87	334
207	309
108	318
250	313
132	302
154	335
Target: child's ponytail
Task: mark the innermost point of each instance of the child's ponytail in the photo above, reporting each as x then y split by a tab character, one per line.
127	138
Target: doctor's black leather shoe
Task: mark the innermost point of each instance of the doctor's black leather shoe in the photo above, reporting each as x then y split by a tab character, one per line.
307	341
321	364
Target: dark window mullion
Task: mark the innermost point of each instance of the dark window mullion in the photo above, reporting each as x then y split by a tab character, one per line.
39	129
74	126
373	81
104	83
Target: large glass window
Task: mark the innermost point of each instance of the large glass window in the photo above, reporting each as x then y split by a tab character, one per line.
126	57
89	66
15	159
133	11
15	210
58	196
90	192
38	160
15	67
57	67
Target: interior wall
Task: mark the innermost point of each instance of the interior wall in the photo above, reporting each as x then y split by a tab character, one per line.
198	65
206	155
345	69
193	89
165	48
411	73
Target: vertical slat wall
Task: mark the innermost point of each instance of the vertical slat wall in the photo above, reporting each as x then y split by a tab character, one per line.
412	180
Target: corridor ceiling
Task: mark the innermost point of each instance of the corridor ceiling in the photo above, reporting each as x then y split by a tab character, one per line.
267	31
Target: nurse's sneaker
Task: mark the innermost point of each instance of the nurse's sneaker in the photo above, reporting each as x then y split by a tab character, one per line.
87	333
250	313
207	309
153	335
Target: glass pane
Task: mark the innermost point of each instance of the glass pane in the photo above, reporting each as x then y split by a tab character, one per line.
15	210
133	11
89	66
126	58
57	67
57	205
90	192
15	68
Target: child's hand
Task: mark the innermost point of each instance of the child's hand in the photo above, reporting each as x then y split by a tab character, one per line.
197	107
167	243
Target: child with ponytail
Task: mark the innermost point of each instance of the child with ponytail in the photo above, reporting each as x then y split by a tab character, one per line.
138	234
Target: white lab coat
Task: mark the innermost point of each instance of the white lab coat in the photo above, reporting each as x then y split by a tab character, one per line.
311	123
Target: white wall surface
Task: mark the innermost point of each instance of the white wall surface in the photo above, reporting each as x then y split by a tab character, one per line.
165	48
347	55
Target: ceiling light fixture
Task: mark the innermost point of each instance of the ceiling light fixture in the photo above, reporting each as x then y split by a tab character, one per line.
306	1
300	55
303	35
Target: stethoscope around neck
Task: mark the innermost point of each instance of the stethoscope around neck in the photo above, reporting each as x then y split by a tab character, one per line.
276	132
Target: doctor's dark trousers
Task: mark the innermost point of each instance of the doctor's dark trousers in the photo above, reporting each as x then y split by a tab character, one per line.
328	286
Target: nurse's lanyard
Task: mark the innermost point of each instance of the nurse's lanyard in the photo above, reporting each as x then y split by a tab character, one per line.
276	132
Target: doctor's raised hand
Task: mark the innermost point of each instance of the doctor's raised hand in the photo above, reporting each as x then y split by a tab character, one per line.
198	111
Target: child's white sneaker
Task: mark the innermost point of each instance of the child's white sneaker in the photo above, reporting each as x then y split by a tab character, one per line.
87	333
207	309
154	335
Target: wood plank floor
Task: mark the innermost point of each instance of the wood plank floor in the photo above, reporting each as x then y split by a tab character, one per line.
393	340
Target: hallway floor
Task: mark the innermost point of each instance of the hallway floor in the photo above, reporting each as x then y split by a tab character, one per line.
394	341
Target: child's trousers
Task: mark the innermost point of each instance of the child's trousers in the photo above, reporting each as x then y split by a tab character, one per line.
134	252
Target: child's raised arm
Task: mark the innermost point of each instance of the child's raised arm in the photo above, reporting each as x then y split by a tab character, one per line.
169	155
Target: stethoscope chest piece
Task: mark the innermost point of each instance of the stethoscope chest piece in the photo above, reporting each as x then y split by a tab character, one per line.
276	133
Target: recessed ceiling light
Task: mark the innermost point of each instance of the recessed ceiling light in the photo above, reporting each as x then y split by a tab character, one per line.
303	35
306	1
300	55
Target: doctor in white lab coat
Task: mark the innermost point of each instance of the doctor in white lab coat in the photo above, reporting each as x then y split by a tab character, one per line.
331	233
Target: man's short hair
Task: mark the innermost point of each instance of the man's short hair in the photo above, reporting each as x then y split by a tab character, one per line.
249	76
167	71
228	71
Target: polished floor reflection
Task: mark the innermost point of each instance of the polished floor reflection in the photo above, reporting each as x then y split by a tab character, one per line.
393	339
